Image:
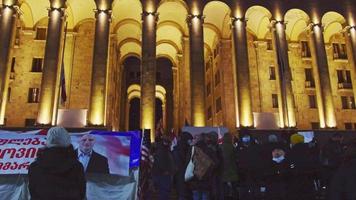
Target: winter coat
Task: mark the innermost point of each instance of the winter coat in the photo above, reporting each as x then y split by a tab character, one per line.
57	175
250	164
182	153
163	161
205	183
343	184
304	165
229	156
276	179
332	154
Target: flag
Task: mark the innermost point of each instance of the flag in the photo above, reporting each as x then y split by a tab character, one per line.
63	77
63	85
145	166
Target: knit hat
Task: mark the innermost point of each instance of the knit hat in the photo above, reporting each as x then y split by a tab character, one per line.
272	138
58	137
296	139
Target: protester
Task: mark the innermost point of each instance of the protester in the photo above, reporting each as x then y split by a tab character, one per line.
331	157
205	161
229	175
249	168
267	148
181	155
217	171
343	183
276	175
163	168
57	174
304	165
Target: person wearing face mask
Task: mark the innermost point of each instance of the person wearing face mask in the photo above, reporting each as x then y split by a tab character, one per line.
248	167
163	168
181	155
276	175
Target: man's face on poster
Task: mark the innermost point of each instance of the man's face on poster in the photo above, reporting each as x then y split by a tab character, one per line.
86	143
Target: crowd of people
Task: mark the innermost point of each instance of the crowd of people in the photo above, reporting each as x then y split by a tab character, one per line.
212	168
247	169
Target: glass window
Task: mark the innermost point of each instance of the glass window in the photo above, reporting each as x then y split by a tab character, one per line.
309	79
208	89
347	76
269	45
217	78
37	64
274	101
33	95
41	33
343	51
312	101
344	102
9	94
305	50
13	62
210	114
336	51
352	103
272	73
218	104
339	51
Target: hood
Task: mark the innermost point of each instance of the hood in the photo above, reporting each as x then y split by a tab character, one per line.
57	160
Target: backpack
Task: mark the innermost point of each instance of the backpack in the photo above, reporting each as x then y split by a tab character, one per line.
202	163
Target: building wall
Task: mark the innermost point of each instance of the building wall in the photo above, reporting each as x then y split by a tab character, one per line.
18	108
82	66
78	67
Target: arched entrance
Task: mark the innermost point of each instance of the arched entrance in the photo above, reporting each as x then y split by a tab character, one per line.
134	114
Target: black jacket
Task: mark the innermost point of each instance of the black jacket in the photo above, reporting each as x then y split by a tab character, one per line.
57	175
343	185
97	164
163	161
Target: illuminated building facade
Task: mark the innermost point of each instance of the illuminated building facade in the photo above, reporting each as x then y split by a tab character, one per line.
221	63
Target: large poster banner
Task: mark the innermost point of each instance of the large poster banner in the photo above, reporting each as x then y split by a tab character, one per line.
109	153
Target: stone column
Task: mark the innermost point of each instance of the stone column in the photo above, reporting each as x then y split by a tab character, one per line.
197	69
350	36
52	63
8	17
176	95
148	67
97	105
242	72
184	81
284	74
321	72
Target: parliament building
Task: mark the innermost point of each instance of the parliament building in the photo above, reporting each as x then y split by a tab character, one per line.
128	64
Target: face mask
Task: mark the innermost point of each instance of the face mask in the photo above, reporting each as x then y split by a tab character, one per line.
279	159
246	139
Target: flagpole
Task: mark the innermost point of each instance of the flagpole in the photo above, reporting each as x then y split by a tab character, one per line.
61	66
